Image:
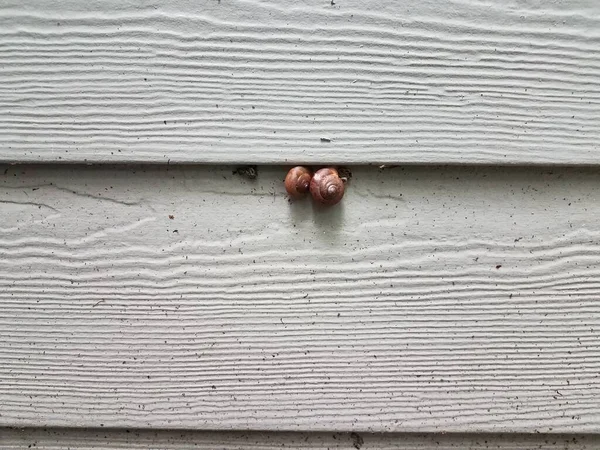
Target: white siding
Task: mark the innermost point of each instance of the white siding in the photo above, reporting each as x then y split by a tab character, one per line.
84	439
430	300
216	81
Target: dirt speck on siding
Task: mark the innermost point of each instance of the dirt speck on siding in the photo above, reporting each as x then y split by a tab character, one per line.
357	440
344	173
249	172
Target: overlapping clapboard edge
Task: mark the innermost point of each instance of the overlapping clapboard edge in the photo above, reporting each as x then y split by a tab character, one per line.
111	439
275	83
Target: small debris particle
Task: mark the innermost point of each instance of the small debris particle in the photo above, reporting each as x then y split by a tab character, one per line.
213	386
249	172
325	140
171	216
357	440
498	266
344	173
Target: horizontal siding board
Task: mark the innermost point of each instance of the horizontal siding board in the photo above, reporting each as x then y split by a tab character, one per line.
87	439
431	299
419	82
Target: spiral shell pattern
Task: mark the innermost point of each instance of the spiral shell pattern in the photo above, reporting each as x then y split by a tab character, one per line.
327	187
297	181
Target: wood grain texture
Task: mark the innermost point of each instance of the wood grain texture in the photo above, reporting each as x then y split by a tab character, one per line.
438	300
83	439
265	81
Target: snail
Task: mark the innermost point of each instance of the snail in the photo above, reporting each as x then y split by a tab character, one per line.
297	181
327	187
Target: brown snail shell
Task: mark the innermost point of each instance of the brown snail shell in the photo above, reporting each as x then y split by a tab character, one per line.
297	181
327	187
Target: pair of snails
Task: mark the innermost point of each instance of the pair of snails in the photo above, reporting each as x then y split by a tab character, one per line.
325	185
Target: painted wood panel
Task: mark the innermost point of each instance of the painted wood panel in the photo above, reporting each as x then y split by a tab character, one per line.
440	299
261	81
82	439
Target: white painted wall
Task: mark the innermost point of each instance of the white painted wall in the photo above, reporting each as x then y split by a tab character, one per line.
262	81
431	299
183	440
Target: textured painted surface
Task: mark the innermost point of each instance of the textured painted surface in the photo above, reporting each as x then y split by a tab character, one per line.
429	300
273	81
84	439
